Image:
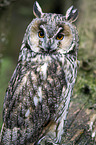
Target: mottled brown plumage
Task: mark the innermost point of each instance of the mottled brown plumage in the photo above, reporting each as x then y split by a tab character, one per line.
38	96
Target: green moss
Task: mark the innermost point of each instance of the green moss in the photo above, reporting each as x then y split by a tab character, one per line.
85	87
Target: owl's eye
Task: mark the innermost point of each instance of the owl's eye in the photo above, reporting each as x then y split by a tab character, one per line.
60	37
41	34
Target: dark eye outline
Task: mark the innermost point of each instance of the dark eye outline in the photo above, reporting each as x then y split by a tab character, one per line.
60	36
41	34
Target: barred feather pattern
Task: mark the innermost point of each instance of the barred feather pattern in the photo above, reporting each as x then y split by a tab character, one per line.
38	96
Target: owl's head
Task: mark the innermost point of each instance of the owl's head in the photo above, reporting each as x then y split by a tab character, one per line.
52	33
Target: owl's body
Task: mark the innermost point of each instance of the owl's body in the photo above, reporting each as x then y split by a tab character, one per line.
38	95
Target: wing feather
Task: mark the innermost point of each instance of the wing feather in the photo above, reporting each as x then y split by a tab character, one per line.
23	119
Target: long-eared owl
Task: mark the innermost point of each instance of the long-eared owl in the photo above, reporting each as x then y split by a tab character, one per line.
38	96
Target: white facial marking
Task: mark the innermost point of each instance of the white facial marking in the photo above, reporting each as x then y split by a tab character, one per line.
34	41
27	113
36	101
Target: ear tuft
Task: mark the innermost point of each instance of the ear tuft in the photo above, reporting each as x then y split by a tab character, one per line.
37	10
71	14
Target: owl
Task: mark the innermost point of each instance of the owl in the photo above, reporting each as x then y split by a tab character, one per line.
38	96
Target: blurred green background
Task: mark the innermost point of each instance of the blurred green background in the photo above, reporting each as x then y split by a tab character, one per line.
14	18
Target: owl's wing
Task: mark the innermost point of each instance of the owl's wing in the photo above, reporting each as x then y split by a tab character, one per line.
24	114
12	88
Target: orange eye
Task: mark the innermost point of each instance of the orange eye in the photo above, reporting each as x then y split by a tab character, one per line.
60	37
41	34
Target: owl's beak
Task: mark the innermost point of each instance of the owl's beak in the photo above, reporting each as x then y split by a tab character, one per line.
50	50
